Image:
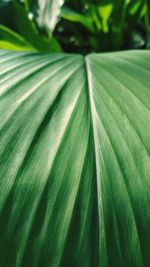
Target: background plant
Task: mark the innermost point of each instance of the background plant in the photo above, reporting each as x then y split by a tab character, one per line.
75	26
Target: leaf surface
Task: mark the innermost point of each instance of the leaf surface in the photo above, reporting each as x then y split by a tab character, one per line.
46	12
75	165
13	41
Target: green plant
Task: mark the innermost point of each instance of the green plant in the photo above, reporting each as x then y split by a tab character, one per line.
75	151
106	25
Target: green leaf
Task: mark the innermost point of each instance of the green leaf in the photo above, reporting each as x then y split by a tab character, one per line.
135	8
4	2
46	12
28	30
13	41
73	16
5	13
75	160
105	13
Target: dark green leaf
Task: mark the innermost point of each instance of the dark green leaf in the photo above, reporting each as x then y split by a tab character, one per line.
13	41
73	16
75	160
29	31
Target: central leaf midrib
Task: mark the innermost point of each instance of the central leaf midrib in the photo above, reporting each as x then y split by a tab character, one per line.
93	117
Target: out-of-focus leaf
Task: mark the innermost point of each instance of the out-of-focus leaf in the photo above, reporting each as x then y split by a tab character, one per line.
138	40
144	10
137	8
13	41
148	37
4	2
11	46
5	13
46	12
75	160
95	17
28	30
73	16
134	7
105	12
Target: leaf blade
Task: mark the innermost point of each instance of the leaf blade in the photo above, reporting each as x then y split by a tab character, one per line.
75	159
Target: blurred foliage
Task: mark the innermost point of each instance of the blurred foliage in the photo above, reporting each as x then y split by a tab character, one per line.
76	26
110	25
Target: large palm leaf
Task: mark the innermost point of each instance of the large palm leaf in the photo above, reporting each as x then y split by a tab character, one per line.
75	165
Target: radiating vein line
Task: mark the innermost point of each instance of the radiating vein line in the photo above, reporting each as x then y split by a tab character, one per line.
28	75
94	118
62	87
19	64
129	120
127	191
47	181
130	60
118	164
36	87
127	89
42	146
62	132
127	117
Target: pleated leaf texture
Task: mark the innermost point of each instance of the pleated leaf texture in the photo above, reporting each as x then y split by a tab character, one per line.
75	160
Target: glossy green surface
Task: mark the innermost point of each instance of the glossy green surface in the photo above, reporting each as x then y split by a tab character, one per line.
75	160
